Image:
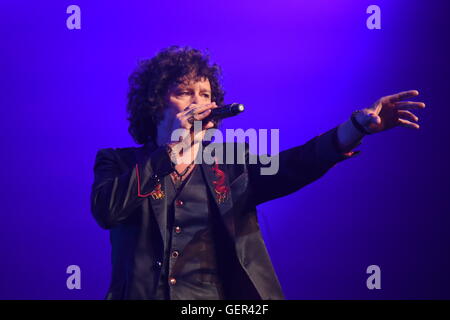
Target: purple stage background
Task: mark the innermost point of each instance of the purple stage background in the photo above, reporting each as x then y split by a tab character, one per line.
300	66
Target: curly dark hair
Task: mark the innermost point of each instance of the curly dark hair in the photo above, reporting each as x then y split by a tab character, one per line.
151	80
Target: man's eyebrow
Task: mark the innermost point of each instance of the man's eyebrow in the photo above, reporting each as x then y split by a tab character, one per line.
187	87
181	88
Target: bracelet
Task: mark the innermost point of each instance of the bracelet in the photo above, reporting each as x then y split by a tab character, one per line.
357	125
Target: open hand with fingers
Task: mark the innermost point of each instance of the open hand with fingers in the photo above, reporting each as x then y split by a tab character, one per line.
389	112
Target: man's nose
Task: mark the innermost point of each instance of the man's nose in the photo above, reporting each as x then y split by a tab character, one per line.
196	98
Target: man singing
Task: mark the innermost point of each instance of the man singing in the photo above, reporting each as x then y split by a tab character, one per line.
186	230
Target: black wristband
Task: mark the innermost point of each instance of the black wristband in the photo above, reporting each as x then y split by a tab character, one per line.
357	125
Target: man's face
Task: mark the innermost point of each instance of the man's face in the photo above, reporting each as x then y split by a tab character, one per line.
180	96
188	92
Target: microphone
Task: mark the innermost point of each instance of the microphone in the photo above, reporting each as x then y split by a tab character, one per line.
226	111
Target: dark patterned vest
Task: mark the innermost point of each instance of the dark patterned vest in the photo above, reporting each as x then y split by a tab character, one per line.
200	260
190	269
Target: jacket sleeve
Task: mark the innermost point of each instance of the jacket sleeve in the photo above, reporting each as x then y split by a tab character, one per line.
298	167
116	193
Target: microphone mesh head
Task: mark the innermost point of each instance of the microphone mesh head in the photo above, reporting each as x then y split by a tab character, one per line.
237	108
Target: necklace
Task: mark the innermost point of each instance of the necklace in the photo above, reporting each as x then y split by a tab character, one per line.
178	177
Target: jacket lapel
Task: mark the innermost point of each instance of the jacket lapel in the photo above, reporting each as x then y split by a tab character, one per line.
159	206
224	204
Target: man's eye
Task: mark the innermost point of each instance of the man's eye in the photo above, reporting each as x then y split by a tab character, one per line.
183	93
206	95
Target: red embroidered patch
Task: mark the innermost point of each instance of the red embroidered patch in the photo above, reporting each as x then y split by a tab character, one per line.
156	194
219	185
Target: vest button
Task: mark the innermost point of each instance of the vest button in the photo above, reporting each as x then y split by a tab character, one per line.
172	281
158	264
175	254
177	229
179	203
